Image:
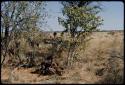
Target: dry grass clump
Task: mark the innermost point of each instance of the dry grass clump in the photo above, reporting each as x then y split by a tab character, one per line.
99	56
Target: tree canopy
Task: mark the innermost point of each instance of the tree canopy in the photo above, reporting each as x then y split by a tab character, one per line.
80	16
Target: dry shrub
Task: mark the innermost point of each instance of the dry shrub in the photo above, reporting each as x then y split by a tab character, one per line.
111	33
114	74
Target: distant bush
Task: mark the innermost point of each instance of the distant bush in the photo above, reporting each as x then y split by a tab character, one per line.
111	33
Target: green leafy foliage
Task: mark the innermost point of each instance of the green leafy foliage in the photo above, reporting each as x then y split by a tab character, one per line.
80	18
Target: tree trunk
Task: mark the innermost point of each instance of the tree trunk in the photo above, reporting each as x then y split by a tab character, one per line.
5	43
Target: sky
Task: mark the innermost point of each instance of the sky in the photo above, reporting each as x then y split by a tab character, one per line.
112	14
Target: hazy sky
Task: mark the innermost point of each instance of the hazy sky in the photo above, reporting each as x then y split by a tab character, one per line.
112	15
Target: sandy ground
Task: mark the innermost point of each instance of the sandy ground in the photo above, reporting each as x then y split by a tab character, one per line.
25	76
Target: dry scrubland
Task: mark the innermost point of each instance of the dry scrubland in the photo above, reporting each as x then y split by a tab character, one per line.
101	62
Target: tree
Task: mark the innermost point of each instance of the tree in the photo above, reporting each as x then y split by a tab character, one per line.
17	17
80	19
